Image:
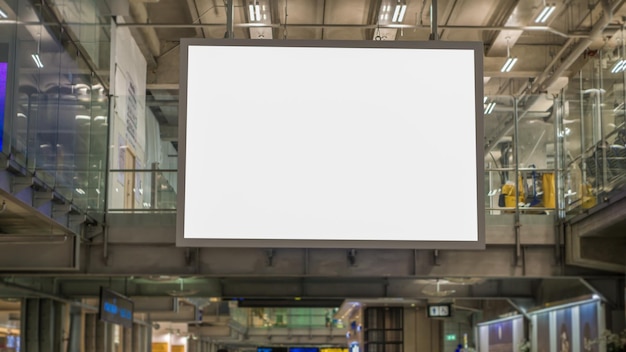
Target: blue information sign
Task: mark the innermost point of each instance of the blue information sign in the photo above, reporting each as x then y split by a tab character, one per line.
115	308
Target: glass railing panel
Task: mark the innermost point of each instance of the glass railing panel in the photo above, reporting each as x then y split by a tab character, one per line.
140	190
500	195
285	317
89	25
596	164
536	144
53	123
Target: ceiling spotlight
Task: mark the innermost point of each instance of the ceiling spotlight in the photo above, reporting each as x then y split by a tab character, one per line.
545	13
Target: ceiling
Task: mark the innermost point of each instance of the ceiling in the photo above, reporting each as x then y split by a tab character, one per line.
545	51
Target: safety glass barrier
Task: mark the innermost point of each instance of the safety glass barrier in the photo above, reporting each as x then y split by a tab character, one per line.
89	22
134	190
596	134
286	317
520	165
55	123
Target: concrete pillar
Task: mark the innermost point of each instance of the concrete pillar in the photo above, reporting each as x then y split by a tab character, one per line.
192	346
136	338
100	338
75	330
45	325
127	338
141	338
90	332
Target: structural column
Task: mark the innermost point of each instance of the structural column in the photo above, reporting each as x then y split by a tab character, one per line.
45	325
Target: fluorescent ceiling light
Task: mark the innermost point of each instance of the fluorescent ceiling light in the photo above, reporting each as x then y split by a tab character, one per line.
545	13
255	12
508	65
489	108
619	66
252	13
398	13
83	117
3	14
37	60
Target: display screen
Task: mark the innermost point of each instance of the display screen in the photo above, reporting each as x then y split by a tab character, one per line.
115	308
439	310
324	146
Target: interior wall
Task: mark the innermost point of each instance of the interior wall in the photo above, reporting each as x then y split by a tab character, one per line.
128	130
502	335
421	334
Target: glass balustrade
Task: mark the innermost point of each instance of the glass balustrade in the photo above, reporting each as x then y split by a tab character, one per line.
56	114
286	318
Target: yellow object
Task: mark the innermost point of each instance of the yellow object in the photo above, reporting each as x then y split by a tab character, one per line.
588	199
549	191
160	347
333	349
178	348
509	193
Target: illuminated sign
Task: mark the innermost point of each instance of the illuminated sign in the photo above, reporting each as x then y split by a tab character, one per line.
439	310
115	308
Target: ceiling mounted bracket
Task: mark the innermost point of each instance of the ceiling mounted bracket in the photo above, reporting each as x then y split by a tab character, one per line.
270	257
352	257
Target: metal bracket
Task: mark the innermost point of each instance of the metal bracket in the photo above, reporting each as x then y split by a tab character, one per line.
352	257
92	231
188	256
15	168
270	257
20	183
518	244
43	198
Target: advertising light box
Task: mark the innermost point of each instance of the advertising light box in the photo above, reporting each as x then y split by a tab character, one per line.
341	144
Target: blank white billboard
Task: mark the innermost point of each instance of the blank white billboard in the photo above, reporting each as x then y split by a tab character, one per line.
294	144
